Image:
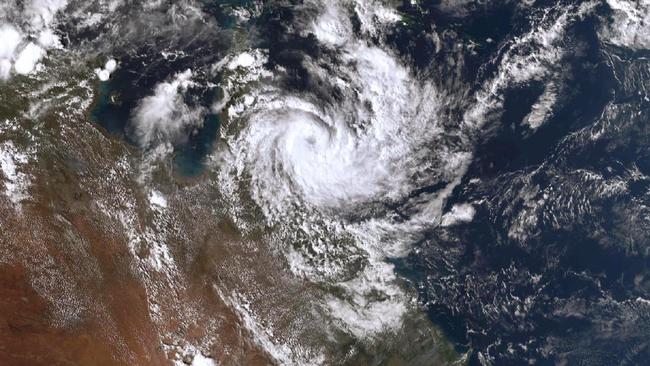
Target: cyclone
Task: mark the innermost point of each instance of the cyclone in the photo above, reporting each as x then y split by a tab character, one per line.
314	165
360	150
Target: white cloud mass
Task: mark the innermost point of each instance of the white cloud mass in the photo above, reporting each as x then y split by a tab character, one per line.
105	73
164	116
631	24
459	213
28	58
11	38
41	13
35	20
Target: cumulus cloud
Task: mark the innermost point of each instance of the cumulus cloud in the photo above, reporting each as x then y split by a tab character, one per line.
37	20
5	69
11	38
164	116
28	58
105	73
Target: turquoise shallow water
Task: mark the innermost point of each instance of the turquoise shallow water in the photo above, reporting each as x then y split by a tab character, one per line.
112	116
190	157
115	103
142	68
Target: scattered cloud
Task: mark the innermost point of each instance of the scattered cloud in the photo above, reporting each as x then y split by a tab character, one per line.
14	180
157	200
41	13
